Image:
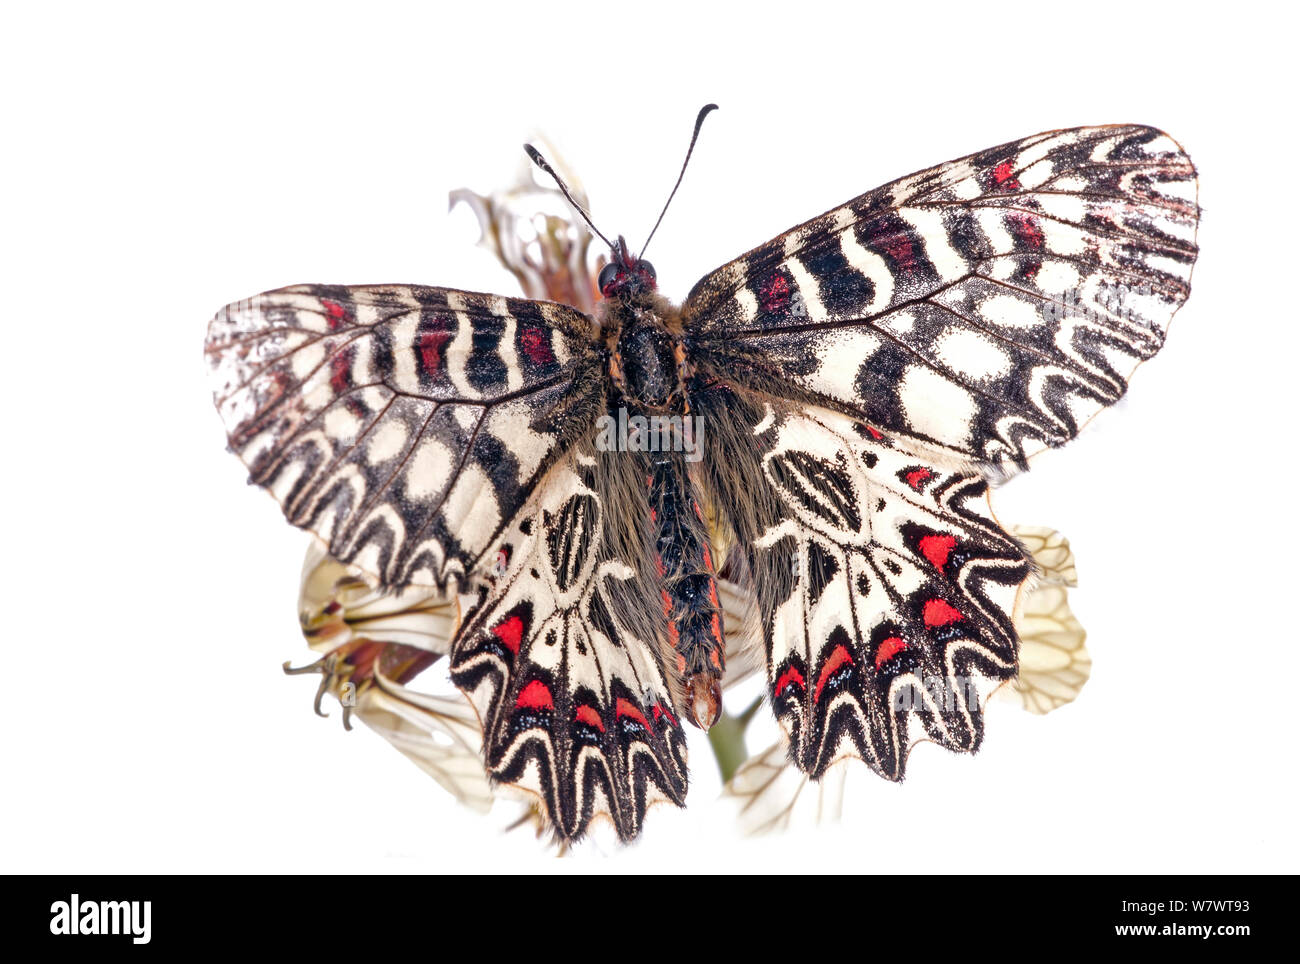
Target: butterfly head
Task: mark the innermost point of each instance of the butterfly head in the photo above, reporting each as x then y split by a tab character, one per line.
625	276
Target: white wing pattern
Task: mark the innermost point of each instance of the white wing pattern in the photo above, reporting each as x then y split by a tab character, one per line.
987	307
403	425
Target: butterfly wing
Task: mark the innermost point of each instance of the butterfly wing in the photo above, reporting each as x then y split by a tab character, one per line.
576	705
885	588
987	307
403	425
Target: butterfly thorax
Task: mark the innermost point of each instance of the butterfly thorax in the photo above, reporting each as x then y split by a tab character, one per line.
647	363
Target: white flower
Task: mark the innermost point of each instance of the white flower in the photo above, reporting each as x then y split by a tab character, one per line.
372	643
530	228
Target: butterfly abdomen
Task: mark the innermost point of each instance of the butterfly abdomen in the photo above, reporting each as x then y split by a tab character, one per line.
688	585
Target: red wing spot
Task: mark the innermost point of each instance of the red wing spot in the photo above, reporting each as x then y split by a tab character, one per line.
334	312
775	294
672	637
939	613
533	341
535	696
791	677
282	381
510	633
431	345
888	649
837	659
1026	230
588	715
659	711
667	599
1003	175
899	247
875	433
341	372
917	477
936	548
625	709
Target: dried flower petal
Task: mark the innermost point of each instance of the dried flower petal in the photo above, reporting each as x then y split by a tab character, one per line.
440	734
1054	663
1051	551
371	643
336	608
531	230
773	793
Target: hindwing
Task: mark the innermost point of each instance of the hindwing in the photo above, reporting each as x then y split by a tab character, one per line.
575	701
886	589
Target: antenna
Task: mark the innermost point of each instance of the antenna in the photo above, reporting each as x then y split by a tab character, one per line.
541	162
699	122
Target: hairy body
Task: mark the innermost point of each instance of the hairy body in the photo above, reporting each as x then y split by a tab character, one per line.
649	376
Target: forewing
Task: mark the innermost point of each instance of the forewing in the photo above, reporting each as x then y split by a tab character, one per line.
576	708
987	307
403	425
885	588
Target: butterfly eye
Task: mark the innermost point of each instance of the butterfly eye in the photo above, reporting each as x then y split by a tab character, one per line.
608	275
649	269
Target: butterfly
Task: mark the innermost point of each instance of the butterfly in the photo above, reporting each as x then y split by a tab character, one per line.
811	434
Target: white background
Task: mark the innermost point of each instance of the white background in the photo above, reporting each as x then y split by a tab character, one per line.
160	162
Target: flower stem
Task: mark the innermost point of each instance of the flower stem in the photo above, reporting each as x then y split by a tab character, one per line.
727	737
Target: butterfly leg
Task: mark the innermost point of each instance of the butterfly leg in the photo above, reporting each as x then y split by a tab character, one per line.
616	371
684	372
